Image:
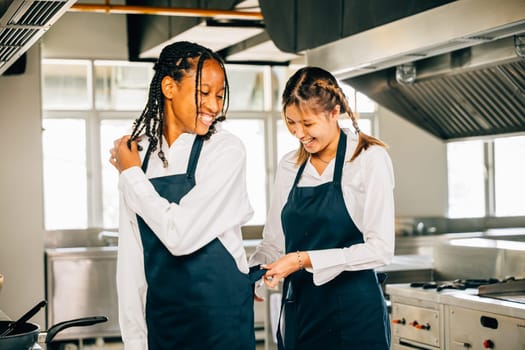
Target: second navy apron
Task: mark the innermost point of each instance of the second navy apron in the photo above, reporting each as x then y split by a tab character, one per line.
195	301
348	312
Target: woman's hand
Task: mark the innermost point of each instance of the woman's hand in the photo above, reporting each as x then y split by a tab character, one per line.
122	157
285	266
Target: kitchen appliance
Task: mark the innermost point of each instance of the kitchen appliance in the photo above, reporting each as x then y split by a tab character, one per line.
12	326
466	65
455	318
27	336
510	290
79	282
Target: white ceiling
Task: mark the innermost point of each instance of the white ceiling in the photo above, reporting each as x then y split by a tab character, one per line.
250	44
215	38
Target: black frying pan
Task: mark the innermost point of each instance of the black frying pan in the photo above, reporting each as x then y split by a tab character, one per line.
25	317
25	335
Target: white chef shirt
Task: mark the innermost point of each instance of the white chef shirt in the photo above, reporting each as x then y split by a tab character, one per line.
215	208
367	184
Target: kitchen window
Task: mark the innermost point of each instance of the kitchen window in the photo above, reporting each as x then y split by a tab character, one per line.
485	177
87	104
509	175
64	148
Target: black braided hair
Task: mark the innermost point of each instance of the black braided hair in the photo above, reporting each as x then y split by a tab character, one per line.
176	60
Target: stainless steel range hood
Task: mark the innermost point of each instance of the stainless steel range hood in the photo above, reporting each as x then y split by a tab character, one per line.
23	22
469	80
446	28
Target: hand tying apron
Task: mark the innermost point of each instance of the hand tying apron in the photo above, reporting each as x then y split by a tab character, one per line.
195	301
347	312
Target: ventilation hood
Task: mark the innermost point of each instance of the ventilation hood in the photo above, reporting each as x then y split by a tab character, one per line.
22	23
469	79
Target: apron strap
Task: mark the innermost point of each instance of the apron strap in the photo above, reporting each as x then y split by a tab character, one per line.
339	159
298	176
288	299
192	162
146	158
194	156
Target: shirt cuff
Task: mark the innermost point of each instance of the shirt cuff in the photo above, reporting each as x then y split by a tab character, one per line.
326	264
130	176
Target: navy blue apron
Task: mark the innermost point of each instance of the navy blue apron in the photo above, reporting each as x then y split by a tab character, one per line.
195	301
348	312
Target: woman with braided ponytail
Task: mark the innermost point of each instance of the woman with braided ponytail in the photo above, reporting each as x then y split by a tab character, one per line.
330	224
182	273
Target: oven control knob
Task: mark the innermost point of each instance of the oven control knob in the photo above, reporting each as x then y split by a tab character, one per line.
488	344
414	323
401	321
423	326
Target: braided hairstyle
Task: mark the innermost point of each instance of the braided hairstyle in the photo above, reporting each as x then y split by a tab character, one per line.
318	89
176	60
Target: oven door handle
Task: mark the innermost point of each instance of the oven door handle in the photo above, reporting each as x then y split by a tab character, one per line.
408	344
463	344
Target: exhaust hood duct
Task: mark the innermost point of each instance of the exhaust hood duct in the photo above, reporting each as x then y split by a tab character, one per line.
453	26
472	92
443	29
22	23
470	80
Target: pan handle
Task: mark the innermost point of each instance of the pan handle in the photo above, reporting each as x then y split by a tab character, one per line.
85	321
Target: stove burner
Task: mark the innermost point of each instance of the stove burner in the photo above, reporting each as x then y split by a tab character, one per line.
459	284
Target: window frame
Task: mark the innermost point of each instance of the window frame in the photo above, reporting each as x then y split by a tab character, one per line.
489	163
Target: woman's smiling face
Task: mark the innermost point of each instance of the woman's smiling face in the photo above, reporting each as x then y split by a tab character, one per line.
315	130
210	99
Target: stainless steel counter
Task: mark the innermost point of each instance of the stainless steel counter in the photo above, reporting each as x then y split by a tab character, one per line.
480	257
409	268
81	282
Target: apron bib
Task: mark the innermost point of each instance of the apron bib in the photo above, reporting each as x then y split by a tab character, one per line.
348	312
195	301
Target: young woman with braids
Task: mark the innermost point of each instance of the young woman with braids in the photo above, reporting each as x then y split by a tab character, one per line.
182	273
332	216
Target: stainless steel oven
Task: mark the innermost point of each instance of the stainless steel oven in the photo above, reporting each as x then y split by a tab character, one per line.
453	319
477	329
417	318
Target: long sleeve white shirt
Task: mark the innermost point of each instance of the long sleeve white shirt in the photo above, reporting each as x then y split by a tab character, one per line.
215	208
367	185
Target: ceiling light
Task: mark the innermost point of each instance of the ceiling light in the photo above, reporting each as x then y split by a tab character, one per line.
406	73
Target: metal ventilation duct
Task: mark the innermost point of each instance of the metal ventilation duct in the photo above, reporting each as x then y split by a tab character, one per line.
453	26
469	80
23	22
472	92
